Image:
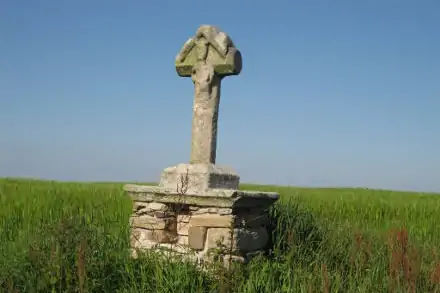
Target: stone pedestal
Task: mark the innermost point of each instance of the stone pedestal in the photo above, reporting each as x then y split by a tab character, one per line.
198	210
203	177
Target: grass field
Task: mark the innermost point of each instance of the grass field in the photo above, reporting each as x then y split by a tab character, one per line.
74	237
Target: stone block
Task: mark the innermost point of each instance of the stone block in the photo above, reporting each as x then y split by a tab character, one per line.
144	208
183	218
159	214
252	220
183	240
212	220
251	239
182	228
220	211
216	236
157	206
198	178
160	236
196	237
153	223
139	238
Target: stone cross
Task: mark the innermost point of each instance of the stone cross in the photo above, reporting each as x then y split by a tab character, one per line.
198	209
207	58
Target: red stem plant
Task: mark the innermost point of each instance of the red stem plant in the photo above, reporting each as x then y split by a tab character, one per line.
404	264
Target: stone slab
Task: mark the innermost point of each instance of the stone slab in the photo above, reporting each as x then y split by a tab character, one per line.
222	198
251	239
153	223
214	236
211	220
196	237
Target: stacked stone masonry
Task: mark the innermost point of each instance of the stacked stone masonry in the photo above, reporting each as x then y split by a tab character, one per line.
164	220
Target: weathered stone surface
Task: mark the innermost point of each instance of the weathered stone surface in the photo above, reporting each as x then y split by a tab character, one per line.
183	218
202	211
197	178
216	236
139	238
157	206
252	220
205	112
182	240
221	52
182	228
220	211
207	57
143	208
212	220
251	239
224	211
160	236
196	237
221	198
159	214
153	223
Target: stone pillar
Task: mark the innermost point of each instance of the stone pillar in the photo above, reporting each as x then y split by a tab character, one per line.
205	114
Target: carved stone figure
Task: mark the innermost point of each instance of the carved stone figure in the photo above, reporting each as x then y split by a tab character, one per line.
207	58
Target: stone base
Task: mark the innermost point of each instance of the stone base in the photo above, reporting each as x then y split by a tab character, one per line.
226	223
197	178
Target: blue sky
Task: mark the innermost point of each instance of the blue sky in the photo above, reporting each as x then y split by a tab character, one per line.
332	93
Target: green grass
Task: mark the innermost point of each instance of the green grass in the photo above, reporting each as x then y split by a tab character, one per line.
74	237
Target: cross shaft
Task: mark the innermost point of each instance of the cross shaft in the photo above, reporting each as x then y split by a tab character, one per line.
207	58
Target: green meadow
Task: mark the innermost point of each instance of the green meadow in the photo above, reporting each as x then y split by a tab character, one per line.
74	237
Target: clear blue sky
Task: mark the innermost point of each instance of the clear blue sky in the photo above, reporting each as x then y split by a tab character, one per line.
332	93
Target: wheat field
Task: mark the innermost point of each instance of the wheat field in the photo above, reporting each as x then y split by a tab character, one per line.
74	237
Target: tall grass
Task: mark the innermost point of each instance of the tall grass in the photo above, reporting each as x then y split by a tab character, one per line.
74	237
